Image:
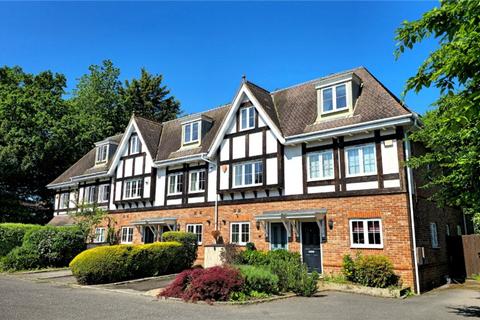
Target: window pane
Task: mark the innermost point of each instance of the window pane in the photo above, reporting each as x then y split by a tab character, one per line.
245	233
327	164
195	131
258	172
251	117
357	232
171	187
235	233
238	175
341	96
314	161
327	99
243	118
353	161
374	232
179	184
201	184
187	133
248	174
368	159
193	181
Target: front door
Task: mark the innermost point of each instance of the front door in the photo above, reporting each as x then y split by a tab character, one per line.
311	246
278	236
148	236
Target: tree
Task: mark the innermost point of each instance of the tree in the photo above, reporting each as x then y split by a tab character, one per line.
30	140
88	217
451	131
149	98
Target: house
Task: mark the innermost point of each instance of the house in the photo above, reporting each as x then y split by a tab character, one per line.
316	168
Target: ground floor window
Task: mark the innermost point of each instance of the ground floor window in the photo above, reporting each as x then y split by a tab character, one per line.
434	235
127	234
197	229
278	236
240	233
99	235
366	233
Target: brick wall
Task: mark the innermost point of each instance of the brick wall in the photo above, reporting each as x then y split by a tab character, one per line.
392	209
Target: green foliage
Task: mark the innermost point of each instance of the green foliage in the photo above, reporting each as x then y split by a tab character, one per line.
188	239
259	279
124	262
476	277
306	284
370	270
45	247
250	246
11	235
254	257
335	278
88	217
451	162
246	296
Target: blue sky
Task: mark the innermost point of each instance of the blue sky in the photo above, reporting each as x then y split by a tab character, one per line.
202	49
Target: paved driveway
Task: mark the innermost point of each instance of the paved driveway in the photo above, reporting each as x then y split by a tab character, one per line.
27	299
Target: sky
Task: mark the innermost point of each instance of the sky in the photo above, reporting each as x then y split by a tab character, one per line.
203	49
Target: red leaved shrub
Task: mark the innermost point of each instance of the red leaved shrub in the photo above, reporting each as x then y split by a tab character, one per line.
212	284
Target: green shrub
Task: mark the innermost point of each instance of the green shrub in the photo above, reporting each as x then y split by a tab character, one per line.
188	239
259	279
11	235
254	258
20	258
306	284
124	262
372	271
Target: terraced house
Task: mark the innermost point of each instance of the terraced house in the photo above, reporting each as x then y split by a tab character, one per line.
316	168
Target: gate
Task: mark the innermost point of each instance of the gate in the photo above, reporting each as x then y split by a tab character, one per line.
464	255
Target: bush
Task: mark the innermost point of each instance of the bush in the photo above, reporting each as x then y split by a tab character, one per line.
189	240
372	271
254	257
21	258
306	285
124	262
211	284
259	279
11	235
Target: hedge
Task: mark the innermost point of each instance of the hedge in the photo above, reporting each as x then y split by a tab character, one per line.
45	247
11	235
125	262
188	239
259	279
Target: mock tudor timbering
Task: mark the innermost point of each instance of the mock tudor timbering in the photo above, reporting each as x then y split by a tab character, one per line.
333	147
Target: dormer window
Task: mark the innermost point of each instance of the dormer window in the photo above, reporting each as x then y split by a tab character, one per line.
334	98
134	144
247	118
191	132
102	154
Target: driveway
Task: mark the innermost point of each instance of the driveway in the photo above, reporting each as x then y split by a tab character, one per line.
22	298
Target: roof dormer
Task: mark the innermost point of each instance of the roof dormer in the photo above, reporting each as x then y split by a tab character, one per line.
104	150
336	95
193	129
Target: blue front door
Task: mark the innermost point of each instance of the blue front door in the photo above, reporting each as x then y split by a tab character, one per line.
278	236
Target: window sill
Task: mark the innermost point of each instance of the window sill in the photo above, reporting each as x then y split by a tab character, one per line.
361	175
320	179
196	192
247	186
366	247
134	198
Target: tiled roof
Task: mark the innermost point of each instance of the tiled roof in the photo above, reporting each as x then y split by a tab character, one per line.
266	100
151	132
61	220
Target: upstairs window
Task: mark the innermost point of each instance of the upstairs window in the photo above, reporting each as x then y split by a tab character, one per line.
102	154
175	183
89	194
64	200
133	189
104	193
361	160
134	144
248	174
191	132
320	165
197	181
334	98
247	118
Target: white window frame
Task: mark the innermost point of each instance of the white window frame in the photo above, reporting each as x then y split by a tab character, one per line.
89	197
365	234
434	235
240	232
170	177
190	136
361	160
135	145
243	165
101	193
132	193
248	111
99	235
320	155
195	230
334	98
100	153
128	232
197	182
64	200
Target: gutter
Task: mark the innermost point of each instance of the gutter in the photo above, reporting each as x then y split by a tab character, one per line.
370	125
75	179
169	162
412	217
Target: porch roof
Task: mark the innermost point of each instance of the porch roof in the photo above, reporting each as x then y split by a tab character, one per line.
292	214
153	221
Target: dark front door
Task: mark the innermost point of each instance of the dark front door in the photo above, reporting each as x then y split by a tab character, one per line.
278	236
311	246
148	236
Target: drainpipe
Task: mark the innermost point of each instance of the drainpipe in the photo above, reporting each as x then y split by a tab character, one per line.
412	218
216	193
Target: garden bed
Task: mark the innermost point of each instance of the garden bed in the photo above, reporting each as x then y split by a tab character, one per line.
356	288
230	302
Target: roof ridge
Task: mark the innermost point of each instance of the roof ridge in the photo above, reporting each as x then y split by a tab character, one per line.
256	85
317	79
149	120
199	113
